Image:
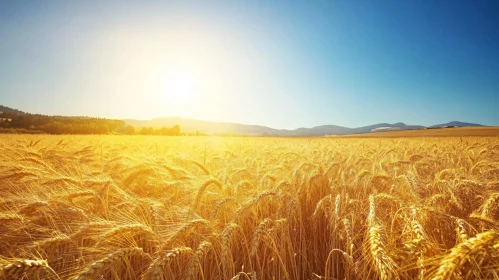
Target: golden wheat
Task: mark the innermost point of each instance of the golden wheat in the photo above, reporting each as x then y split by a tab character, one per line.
253	208
467	258
91	271
18	268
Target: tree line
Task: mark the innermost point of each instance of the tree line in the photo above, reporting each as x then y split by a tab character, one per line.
173	131
16	122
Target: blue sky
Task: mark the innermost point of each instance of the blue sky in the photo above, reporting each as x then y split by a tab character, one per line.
284	64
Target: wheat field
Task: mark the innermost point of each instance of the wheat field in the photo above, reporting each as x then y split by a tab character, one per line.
145	207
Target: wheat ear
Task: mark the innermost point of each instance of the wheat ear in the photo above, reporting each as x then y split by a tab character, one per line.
22	266
92	270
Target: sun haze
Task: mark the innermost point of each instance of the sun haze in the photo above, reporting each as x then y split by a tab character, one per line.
272	63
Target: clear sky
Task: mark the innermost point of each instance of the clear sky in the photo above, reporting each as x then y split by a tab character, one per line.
284	64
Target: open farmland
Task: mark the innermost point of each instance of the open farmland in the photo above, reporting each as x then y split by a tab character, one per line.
139	207
480	131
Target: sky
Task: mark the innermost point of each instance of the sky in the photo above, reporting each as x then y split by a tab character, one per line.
284	64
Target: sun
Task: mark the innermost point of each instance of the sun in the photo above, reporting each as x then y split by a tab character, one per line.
179	88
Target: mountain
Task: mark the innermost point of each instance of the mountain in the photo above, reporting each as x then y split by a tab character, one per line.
456	123
191	125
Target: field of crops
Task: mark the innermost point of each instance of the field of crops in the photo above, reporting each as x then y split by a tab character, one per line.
139	207
479	131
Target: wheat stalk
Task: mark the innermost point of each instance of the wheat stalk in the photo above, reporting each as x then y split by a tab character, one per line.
202	189
97	266
7	217
155	269
195	261
466	258
260	230
133	229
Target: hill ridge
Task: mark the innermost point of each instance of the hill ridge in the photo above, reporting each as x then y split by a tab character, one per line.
212	127
192	125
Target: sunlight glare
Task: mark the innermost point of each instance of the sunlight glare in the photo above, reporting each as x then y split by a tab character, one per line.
179	88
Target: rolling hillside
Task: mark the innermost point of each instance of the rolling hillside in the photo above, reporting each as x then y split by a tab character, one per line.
192	125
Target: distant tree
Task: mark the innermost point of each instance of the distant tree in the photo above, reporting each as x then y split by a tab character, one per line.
175	130
15	120
163	131
54	128
130	130
103	129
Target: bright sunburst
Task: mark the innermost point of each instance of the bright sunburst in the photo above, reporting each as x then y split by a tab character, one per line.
179	88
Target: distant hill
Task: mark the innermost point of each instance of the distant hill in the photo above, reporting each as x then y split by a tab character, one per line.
322	130
21	119
4	109
192	125
475	131
15	121
399	126
456	123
